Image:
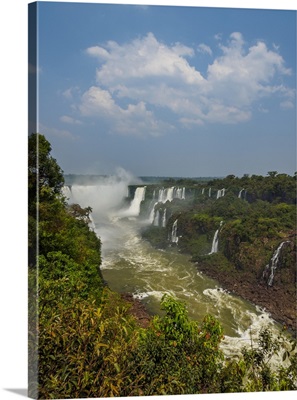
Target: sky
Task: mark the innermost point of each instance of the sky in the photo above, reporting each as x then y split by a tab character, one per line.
167	90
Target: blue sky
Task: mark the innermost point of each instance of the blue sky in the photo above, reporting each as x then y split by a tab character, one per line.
168	91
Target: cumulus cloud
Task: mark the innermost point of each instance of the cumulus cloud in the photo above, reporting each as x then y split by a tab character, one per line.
135	119
203	48
143	58
137	81
70	120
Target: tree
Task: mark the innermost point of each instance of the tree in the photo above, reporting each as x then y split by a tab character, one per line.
272	173
45	180
45	177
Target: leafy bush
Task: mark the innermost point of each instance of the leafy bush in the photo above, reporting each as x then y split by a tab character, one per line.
178	356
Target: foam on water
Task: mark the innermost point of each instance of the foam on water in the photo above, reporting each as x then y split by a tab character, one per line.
153	293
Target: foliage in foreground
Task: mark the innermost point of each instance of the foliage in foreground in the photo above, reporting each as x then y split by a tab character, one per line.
91	351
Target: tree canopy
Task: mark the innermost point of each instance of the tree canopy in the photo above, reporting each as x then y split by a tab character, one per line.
45	176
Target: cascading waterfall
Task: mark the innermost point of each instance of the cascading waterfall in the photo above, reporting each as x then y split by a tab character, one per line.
184	194
274	262
153	213
164	219
209	192
174	237
157	218
240	193
139	196
171	193
220	193
164	195
215	242
203	191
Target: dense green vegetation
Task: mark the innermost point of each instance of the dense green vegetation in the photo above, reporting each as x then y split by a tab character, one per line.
258	214
83	340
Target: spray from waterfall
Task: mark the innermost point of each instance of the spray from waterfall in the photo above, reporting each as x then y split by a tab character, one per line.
107	196
66	192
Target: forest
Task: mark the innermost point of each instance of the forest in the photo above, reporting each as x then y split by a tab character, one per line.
252	216
83	339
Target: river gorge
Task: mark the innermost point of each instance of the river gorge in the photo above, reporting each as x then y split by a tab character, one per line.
131	264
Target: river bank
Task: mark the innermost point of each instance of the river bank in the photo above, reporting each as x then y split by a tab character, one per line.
281	305
138	310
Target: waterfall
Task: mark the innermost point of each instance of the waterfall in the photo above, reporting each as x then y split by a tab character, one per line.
152	213
174	237
183	193
164	219
220	193
203	191
171	193
215	242
239	194
179	193
139	196
274	263
164	195
157	218
209	192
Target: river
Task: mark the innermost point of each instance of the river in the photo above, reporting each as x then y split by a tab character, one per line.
131	264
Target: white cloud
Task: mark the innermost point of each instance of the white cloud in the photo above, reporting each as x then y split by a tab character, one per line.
133	120
97	101
61	133
149	77
287	105
70	120
240	78
144	58
203	48
97	51
71	92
